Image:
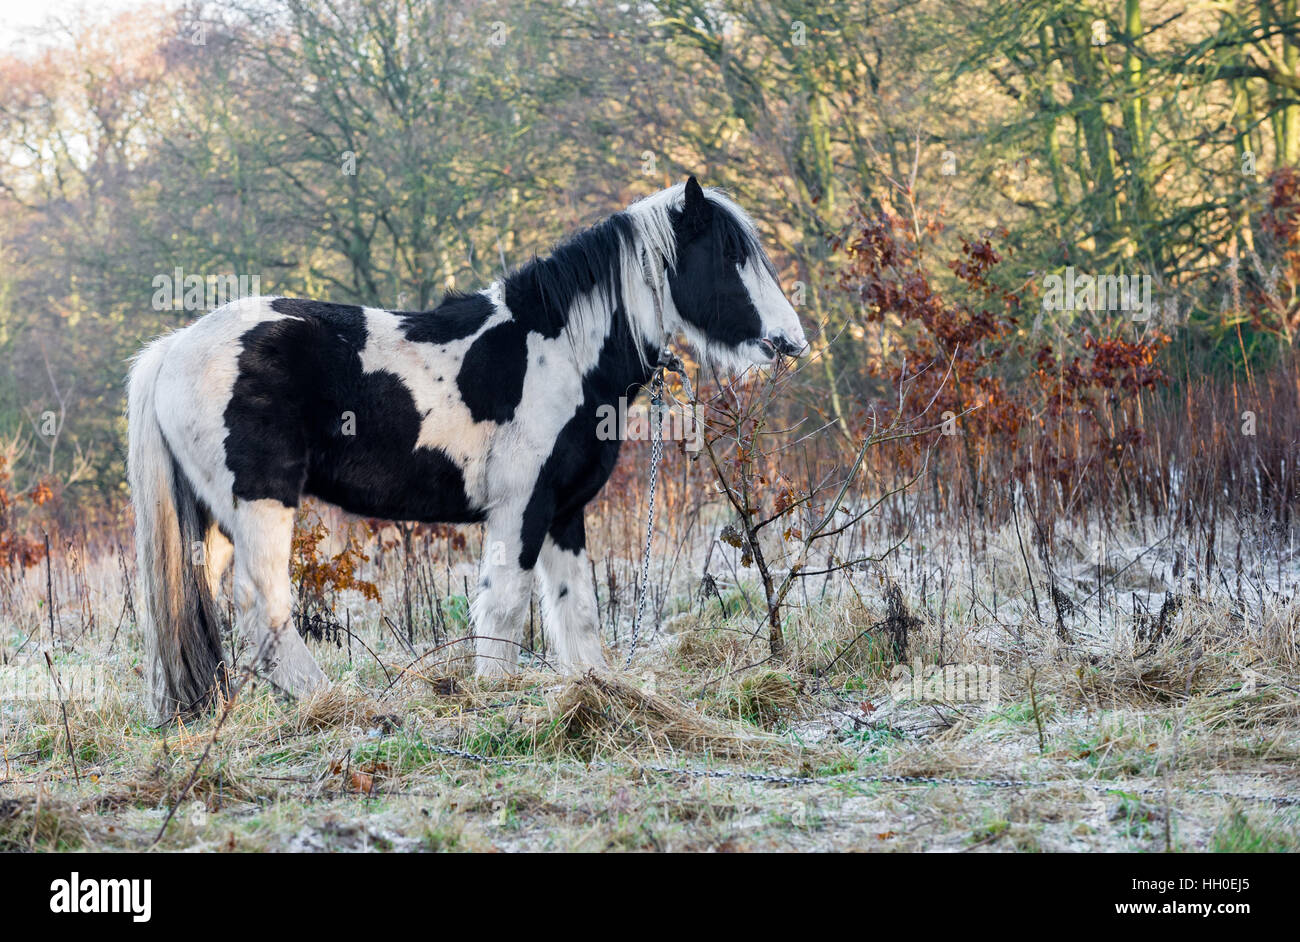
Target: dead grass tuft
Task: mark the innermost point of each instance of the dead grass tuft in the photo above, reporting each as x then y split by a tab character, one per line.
39	823
604	714
339	706
763	699
710	648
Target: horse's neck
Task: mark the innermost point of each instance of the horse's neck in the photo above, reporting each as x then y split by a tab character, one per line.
615	352
624	367
620	361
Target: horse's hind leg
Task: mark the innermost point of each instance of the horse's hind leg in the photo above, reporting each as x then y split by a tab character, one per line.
263	537
217	553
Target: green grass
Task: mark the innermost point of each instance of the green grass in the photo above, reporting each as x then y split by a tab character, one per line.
1239	834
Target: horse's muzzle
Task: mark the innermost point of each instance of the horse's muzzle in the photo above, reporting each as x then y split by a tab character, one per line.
780	343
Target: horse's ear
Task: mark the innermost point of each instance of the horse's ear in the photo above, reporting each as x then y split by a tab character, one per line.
695	208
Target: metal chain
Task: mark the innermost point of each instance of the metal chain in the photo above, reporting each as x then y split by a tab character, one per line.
656	453
475	757
801	780
771	778
668	363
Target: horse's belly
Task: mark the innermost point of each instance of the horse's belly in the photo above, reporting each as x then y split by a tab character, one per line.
428	487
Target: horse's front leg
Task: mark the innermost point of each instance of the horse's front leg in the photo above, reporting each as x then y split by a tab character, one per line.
505	588
569	613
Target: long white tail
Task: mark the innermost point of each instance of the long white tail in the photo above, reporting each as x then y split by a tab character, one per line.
178	615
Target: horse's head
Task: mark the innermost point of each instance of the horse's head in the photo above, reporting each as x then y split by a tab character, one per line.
723	289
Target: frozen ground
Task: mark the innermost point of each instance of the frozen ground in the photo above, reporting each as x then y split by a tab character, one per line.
1112	726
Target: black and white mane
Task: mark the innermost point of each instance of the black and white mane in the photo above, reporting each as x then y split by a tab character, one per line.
482	410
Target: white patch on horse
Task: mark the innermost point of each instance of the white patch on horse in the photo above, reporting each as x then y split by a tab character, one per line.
428	371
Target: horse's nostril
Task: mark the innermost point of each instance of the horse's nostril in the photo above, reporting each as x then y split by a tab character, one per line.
768	346
788	347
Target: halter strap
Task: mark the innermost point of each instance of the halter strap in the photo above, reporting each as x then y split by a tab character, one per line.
668	362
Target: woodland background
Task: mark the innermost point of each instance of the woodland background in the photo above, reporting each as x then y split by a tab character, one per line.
1093	508
918	169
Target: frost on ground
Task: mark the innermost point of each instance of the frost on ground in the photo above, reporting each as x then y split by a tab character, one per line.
1123	692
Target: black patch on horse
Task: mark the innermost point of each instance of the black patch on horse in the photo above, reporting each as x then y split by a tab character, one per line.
348	319
541	293
287	432
491	377
457	317
705	283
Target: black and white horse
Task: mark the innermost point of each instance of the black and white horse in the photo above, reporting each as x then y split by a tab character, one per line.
484	409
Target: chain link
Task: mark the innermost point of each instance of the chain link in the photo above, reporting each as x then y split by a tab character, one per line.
656	454
772	778
476	757
668	363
